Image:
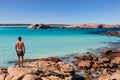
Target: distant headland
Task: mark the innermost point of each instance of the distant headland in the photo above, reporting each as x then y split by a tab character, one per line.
89	25
92	25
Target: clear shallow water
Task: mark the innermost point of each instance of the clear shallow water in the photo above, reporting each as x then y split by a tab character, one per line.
49	42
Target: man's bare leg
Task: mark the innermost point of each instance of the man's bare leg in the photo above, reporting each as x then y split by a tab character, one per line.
21	57
18	62
22	61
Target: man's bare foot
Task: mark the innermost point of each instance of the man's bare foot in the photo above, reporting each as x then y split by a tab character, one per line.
17	65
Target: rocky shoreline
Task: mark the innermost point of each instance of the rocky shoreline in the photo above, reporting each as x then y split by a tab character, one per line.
105	67
87	67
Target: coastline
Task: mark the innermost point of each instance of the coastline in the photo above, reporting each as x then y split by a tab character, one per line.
77	71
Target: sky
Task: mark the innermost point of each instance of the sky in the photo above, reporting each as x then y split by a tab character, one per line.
60	11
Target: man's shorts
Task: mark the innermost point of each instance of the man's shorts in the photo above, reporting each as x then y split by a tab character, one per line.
20	53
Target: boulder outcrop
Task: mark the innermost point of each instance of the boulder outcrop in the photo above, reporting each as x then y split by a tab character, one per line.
38	26
39	69
106	67
110	52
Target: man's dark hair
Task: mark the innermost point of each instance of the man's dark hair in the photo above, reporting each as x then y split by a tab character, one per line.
19	38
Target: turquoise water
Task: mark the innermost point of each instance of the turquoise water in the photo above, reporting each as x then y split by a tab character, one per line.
49	42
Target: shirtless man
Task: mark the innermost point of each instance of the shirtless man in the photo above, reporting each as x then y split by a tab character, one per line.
20	50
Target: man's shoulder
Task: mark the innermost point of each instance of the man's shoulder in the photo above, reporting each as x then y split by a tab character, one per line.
16	42
19	42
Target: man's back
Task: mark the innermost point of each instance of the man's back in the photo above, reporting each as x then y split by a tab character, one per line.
19	46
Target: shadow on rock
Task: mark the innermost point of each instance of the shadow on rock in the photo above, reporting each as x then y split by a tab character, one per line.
25	60
78	77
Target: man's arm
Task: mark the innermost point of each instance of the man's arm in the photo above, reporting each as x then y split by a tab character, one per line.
16	47
23	48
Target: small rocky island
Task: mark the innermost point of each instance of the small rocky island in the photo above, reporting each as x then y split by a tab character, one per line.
38	26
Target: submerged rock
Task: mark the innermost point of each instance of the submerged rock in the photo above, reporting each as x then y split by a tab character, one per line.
113	33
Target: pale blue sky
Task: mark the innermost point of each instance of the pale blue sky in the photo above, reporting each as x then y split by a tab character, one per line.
60	11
